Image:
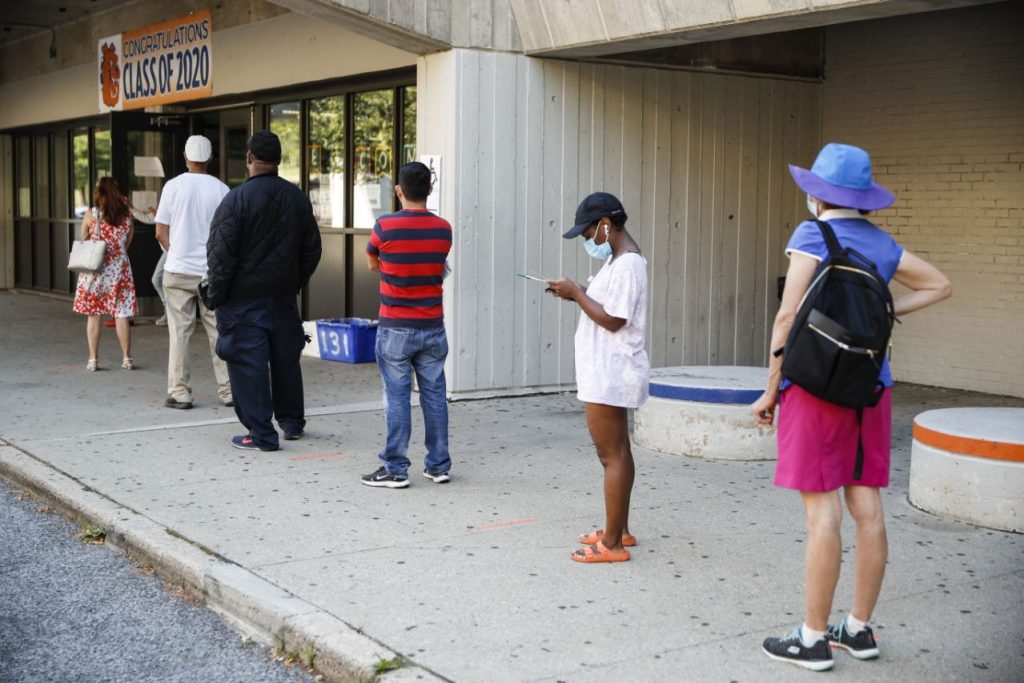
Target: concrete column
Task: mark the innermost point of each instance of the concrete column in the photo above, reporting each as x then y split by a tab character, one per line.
695	159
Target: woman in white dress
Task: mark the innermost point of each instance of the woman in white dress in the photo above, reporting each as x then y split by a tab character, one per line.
612	368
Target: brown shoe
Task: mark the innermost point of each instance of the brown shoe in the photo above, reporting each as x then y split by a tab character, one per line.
171	402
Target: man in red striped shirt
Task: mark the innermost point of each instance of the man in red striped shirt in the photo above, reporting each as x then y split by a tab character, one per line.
409	249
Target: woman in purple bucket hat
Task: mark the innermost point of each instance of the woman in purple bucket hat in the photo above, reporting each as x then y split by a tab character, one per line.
817	440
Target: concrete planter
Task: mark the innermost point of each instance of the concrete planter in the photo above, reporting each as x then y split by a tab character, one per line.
704	412
967	464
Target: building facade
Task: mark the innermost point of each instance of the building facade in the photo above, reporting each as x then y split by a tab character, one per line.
688	111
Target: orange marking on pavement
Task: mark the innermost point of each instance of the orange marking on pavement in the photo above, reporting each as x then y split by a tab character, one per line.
498	525
317	456
962	445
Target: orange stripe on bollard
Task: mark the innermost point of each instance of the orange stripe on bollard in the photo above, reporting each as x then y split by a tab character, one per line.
962	445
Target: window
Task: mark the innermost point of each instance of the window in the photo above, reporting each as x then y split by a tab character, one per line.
284	122
81	187
325	160
41	144
101	158
408	124
373	140
23	152
235	139
144	190
60	194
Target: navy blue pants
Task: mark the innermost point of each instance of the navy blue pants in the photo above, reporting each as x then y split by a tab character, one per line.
261	340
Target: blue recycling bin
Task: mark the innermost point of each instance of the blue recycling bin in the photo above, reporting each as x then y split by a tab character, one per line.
349	340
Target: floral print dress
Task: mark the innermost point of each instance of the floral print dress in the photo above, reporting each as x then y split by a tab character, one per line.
111	290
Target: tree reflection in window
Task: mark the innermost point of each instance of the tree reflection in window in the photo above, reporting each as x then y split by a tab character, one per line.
82	190
326	160
373	142
284	122
408	124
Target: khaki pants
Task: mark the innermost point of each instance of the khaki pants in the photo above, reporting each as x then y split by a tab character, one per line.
182	292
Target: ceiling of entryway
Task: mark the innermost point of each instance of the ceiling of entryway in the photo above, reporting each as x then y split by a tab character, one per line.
20	18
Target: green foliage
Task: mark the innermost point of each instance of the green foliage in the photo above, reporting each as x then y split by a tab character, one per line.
91	533
80	162
385	665
307	655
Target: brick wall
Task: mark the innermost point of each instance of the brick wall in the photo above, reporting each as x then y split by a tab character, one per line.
938	100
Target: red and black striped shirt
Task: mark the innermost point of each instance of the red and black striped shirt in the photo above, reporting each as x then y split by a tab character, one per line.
412	245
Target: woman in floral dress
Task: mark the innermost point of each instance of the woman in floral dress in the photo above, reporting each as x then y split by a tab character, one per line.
110	290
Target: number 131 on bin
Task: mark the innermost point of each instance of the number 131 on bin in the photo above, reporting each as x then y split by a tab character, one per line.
349	340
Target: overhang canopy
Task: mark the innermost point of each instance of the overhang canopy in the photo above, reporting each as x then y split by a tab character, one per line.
596	28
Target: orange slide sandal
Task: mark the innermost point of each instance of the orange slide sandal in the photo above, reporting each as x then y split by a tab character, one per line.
597	552
628	540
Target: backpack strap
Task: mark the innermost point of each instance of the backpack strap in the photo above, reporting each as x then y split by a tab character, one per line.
831	241
858	466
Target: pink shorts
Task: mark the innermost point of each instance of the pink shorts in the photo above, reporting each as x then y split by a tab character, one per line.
818	443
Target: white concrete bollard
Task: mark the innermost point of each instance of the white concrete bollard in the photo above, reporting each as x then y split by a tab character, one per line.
704	412
967	464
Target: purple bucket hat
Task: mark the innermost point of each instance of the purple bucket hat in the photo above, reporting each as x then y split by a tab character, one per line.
841	176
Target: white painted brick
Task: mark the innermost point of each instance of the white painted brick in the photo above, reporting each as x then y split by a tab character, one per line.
937	100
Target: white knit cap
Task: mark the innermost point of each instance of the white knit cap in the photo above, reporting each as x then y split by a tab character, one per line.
198	148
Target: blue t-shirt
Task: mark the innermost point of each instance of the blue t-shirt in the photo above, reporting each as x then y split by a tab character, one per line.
857	233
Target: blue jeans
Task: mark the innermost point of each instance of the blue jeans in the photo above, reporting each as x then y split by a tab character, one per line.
400	352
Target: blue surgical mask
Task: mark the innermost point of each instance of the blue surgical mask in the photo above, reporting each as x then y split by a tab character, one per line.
599	251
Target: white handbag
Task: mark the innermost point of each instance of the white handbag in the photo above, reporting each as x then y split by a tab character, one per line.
86	256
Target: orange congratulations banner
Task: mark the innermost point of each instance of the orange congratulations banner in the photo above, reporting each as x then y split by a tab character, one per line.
171	61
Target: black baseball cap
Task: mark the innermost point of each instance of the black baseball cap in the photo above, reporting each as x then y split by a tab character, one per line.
595	207
265	146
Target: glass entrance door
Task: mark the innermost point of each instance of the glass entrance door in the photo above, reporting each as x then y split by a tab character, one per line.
235	129
146	149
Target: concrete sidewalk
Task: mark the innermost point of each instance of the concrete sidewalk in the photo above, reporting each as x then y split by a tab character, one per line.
471	581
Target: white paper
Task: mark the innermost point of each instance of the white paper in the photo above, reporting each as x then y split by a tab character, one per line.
148	167
433	162
144	205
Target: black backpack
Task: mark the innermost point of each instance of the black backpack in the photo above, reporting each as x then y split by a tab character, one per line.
839	337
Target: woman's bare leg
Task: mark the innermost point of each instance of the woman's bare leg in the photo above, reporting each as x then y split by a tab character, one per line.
92	334
610	433
872	551
823	556
124	335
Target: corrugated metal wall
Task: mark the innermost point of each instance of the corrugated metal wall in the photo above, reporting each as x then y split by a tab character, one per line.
699	161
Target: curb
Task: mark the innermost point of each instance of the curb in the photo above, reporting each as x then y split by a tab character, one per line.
247	601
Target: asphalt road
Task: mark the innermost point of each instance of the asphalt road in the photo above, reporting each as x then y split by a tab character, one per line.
70	611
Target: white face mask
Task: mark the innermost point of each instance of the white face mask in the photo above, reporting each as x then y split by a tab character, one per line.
812	205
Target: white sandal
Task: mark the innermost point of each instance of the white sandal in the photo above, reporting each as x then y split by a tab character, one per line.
91	365
128	363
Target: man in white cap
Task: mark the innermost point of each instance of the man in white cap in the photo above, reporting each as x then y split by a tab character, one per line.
183	227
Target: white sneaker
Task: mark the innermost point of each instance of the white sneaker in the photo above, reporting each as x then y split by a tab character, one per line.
442	478
128	364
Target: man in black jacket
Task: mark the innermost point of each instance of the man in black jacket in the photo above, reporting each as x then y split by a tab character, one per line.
264	245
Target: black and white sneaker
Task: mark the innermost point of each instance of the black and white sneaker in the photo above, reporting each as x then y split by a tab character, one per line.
861	645
381	478
442	478
791	649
